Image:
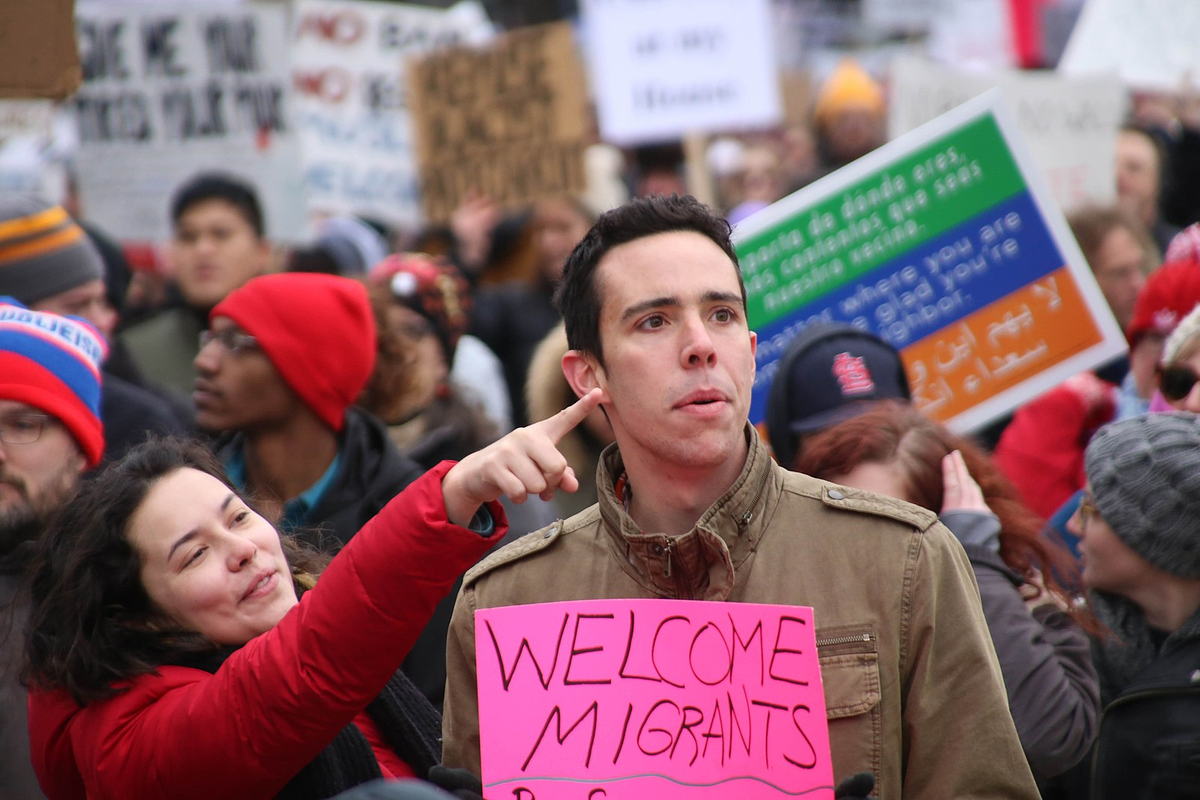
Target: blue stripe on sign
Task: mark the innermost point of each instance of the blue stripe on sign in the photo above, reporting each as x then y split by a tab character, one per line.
928	288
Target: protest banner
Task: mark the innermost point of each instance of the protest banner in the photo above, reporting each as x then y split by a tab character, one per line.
351	106
38	55
651	698
507	121
1149	45
947	244
662	69
1069	124
171	90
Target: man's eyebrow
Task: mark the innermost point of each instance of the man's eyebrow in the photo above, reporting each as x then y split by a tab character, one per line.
187	537
647	305
722	297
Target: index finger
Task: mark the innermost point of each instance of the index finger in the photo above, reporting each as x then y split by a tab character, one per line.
558	426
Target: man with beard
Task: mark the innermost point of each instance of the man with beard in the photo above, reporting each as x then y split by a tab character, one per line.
50	432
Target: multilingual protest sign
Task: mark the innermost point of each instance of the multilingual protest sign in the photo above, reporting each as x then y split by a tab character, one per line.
662	69
172	90
351	102
1148	45
651	698
1070	124
947	244
507	121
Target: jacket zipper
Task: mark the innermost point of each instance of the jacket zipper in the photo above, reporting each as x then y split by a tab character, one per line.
1120	701
668	549
858	637
747	517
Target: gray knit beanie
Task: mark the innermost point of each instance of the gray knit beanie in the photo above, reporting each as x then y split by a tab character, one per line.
1145	478
42	251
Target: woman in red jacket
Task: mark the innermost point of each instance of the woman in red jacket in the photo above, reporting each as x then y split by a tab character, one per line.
179	647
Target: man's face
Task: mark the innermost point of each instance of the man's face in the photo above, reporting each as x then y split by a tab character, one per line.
237	386
1118	264
1137	172
35	477
215	251
678	353
88	300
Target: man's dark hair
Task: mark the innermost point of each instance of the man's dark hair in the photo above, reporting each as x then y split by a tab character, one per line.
578	297
216	186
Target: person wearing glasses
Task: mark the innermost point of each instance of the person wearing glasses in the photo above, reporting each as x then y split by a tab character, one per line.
278	372
50	433
1139	532
1177	374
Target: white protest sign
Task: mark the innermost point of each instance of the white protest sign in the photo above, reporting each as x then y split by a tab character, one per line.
663	68
1069	124
1150	45
352	106
169	91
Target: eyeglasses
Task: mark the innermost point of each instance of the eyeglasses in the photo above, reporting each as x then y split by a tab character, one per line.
231	339
1087	509
23	428
1176	382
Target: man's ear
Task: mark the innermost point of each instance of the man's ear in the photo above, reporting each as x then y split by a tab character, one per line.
584	374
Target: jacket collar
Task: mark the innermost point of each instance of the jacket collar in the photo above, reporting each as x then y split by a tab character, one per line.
699	564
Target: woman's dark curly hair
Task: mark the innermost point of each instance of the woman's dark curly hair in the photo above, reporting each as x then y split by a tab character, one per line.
91	623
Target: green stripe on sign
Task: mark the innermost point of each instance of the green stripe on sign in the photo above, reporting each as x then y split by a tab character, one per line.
877	219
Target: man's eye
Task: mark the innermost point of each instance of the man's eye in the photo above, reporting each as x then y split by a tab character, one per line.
653	322
723	315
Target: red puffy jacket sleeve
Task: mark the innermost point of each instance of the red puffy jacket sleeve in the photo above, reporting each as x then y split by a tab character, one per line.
277	702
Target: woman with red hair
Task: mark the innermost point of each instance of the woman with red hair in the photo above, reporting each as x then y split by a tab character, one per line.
1044	653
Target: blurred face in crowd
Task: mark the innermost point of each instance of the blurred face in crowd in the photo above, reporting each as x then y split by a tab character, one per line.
559	228
678	355
853	133
40	464
209	563
761	178
1178	380
215	251
1118	265
1143	361
1108	563
89	300
427	369
1138	175
237	386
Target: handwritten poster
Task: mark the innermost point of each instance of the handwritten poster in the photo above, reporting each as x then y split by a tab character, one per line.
664	699
170	90
352	110
1070	124
508	120
662	69
947	244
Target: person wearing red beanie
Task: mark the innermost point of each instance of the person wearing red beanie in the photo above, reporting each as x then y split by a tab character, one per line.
278	371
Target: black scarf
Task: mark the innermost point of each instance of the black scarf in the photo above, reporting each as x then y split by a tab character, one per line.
409	723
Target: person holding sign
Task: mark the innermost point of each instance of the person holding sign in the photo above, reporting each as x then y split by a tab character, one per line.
178	646
691	506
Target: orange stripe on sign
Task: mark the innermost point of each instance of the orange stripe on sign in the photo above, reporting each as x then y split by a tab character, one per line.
34	223
41	245
999	346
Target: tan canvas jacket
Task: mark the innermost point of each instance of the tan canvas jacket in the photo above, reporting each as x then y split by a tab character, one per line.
912	686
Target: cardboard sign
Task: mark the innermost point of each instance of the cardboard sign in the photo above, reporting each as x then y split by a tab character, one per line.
947	244
651	698
169	91
1149	45
1070	124
351	104
38	57
507	121
662	69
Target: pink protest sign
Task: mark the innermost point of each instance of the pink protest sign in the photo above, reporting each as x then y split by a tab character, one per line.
651	698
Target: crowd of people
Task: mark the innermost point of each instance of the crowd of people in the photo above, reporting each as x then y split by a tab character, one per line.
249	506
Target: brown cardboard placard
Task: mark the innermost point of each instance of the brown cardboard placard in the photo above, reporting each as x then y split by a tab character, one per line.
38	53
508	120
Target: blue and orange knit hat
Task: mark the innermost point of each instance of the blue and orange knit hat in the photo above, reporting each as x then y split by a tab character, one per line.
52	363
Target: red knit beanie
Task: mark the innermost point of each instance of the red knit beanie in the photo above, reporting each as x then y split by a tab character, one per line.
318	332
1169	295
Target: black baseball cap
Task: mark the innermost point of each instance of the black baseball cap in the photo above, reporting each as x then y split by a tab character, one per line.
829	373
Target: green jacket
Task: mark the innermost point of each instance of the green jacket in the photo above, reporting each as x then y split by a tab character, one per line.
912	686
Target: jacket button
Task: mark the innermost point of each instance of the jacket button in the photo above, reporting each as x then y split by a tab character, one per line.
657	549
834	494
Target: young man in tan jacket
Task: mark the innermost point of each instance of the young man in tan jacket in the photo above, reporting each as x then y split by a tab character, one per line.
691	506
